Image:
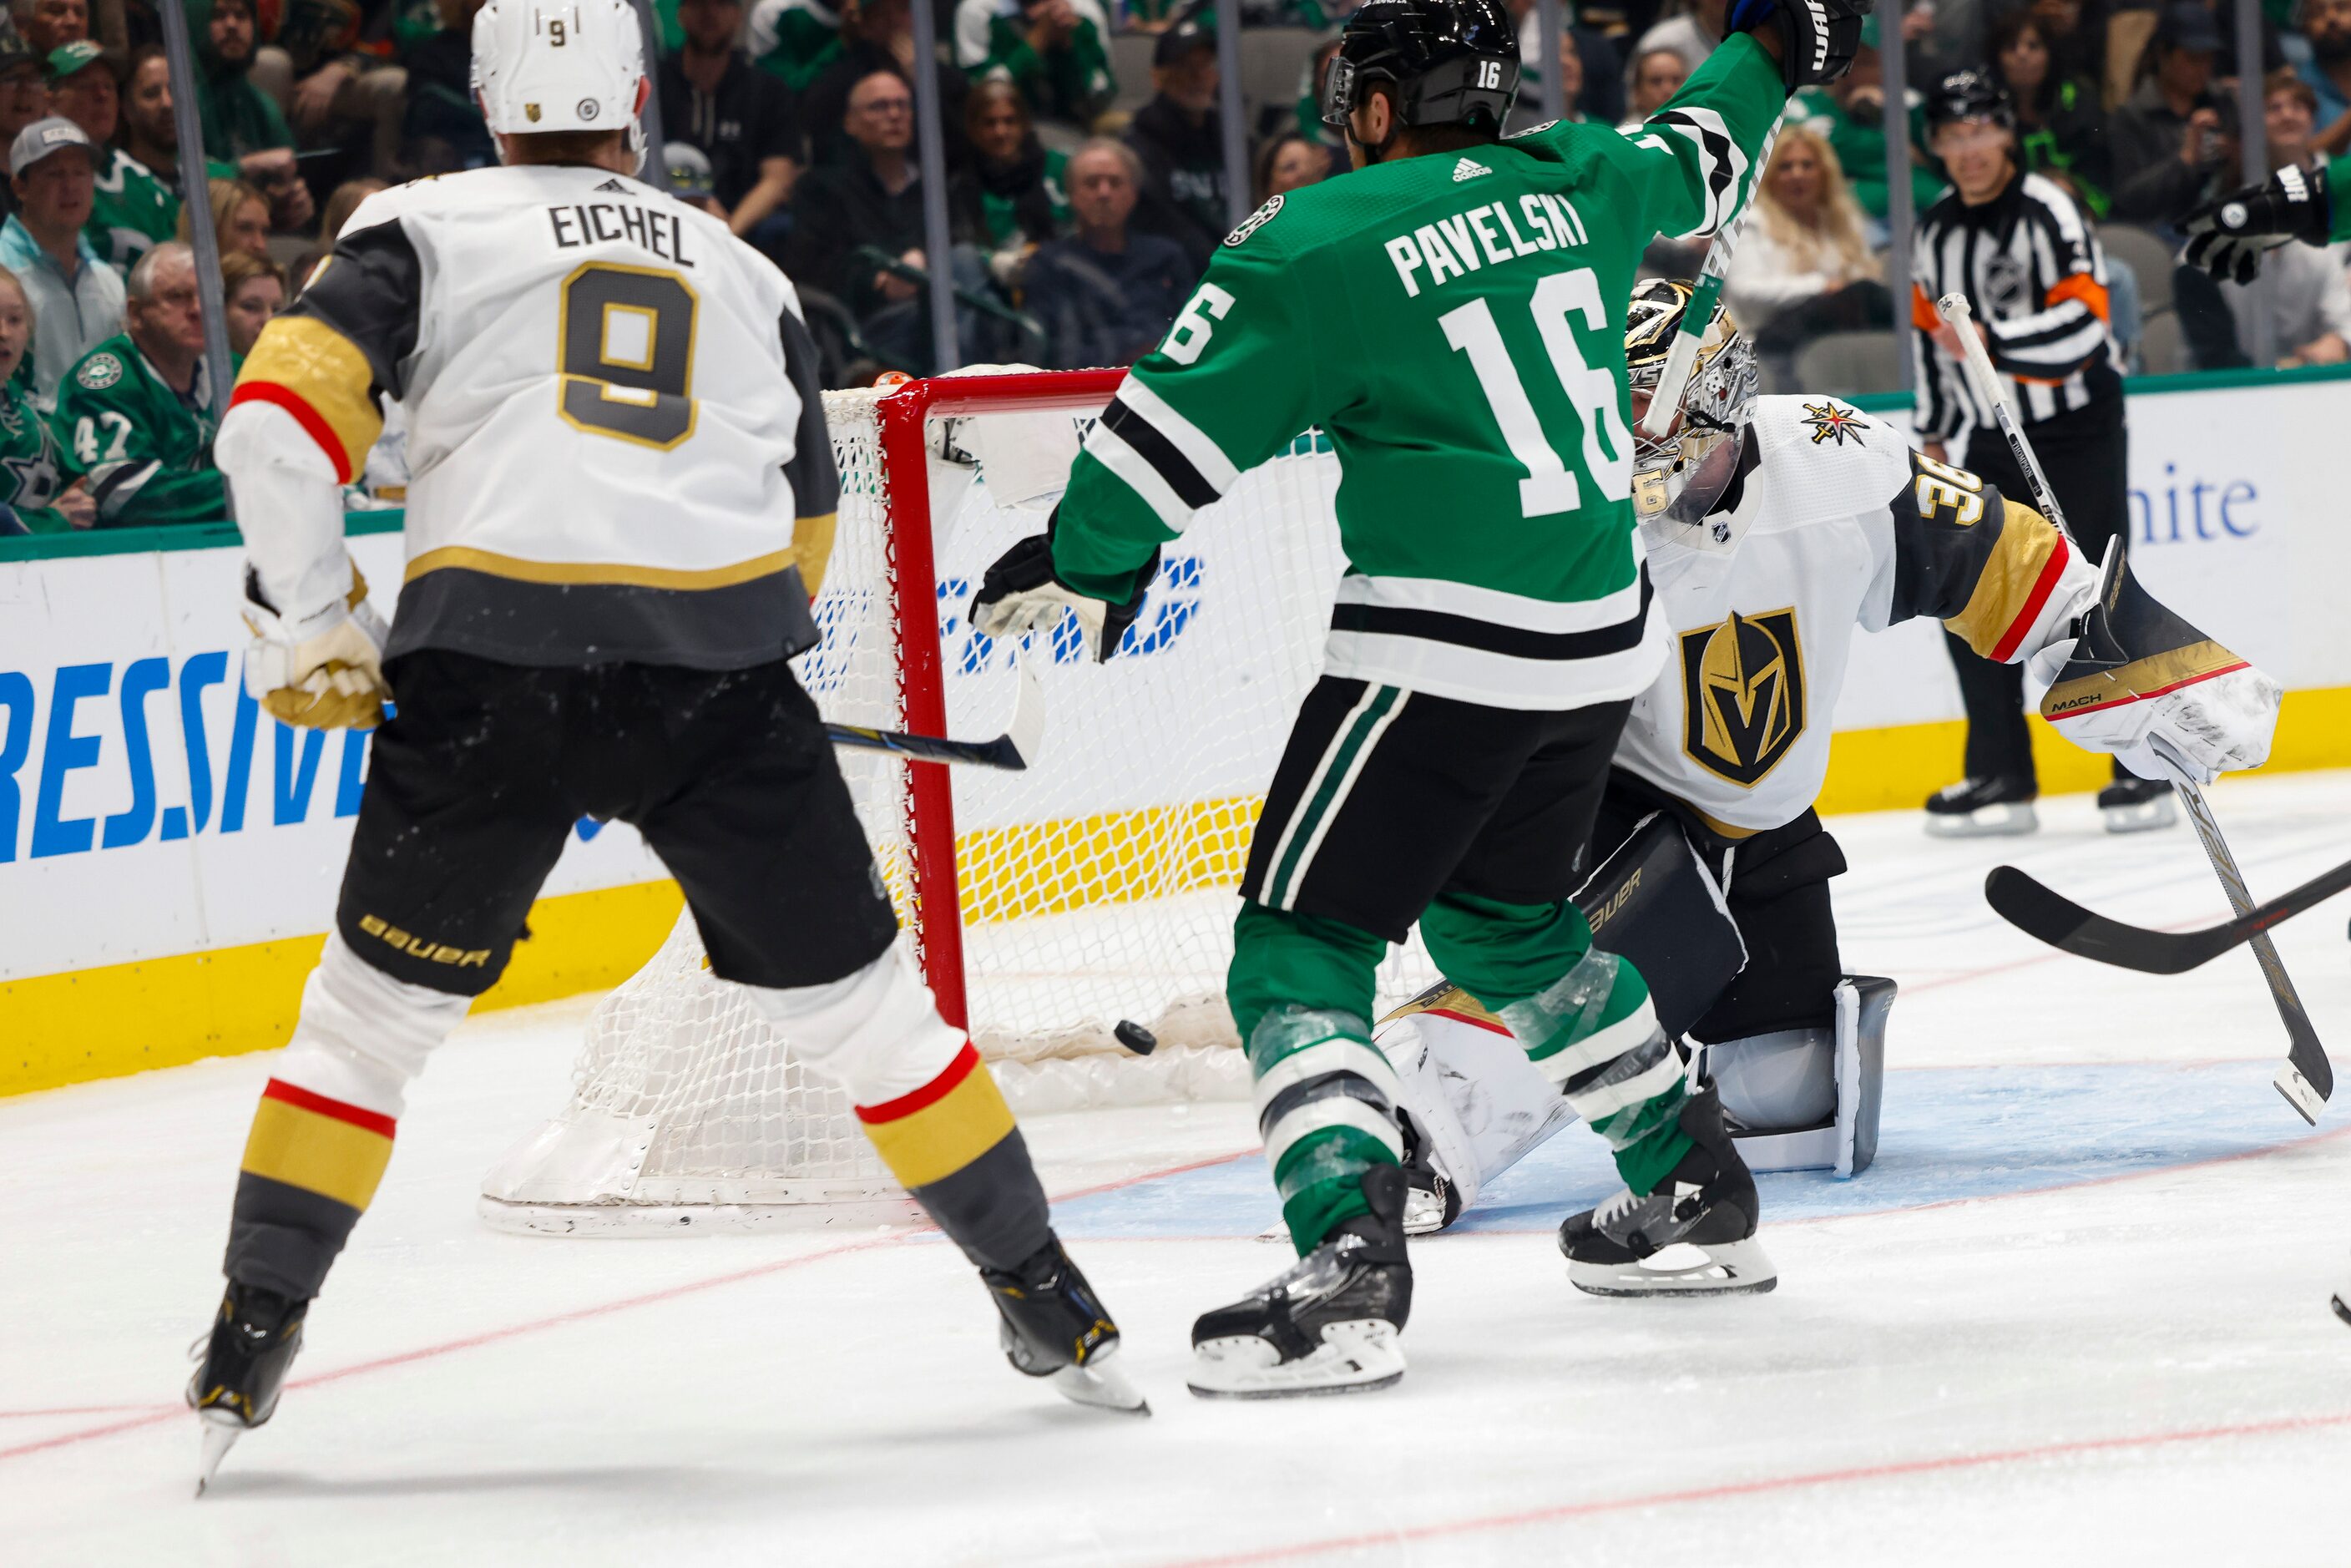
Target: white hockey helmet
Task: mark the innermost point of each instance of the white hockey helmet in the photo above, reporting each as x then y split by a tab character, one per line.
560	65
1714	405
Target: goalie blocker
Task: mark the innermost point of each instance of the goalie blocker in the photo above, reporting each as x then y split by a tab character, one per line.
1805	1096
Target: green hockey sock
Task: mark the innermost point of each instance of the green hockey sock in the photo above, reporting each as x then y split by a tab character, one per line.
1301	991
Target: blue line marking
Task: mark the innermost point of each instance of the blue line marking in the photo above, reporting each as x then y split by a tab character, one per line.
1945	1134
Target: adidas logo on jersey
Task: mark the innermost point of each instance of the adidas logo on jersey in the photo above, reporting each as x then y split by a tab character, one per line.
615	187
1468	169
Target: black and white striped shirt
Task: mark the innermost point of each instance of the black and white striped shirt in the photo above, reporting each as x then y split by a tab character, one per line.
2035	276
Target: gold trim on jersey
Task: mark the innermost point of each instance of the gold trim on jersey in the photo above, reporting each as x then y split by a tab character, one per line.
327	376
601	574
1742	694
2141	678
812	549
2008	584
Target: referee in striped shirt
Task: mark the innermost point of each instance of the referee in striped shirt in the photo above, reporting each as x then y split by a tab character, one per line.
2016	245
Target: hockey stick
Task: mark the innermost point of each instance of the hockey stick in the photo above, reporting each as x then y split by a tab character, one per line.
1665	401
1013	750
2039	910
2306	1079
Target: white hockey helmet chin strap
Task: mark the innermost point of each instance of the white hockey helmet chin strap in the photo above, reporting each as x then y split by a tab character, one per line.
541	66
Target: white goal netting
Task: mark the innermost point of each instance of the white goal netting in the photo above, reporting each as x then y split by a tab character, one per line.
1094	887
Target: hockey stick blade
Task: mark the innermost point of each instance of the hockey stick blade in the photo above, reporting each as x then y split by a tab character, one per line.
2040	912
1011	751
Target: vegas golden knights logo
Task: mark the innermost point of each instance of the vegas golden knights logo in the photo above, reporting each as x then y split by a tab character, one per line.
1742	694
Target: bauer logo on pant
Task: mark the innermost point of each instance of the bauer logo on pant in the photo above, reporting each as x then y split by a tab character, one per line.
1742	694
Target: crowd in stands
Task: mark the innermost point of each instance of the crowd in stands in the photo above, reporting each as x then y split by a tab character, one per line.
1082	209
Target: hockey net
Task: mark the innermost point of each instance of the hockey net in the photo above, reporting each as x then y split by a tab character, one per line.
1046	906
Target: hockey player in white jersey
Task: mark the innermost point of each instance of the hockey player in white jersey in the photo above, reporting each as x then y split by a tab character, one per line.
1774	528
622	500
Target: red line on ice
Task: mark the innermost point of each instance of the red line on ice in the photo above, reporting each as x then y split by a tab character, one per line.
149	1415
1798	1482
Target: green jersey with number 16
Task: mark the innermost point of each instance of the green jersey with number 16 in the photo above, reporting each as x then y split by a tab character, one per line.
1455	323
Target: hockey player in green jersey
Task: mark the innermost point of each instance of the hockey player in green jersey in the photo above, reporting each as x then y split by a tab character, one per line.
1451	313
132	414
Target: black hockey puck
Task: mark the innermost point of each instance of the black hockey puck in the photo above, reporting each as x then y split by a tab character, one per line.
1135	1038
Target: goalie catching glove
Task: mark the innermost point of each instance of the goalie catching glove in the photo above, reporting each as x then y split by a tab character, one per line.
1021	592
322	672
2139	683
2229	236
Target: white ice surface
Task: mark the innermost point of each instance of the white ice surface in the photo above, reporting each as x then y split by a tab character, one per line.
1994	1349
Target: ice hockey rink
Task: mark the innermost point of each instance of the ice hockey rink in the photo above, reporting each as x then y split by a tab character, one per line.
2077	1313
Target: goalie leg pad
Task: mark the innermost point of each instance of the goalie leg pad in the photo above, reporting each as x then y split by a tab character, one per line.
1477	1105
1807	1099
1652	901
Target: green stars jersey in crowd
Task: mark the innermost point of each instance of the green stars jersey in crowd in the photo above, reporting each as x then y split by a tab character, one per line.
1455	322
132	212
31	466
145	451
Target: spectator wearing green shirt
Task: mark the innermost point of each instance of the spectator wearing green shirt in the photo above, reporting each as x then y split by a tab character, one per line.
1011	197
1851	113
132	414
33	497
794	40
1052	54
132	211
241	122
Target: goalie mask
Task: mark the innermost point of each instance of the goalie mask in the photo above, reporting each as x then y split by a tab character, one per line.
1684	473
560	65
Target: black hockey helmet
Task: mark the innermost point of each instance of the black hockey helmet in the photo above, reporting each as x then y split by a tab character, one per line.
1452	62
1970	95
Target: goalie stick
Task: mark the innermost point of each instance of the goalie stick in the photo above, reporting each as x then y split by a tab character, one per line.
1012	751
2039	910
2306	1079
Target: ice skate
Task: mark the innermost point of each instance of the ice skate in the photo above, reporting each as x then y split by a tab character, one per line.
1056	1327
1329	1324
251	1347
2136	806
1981	809
1695	1234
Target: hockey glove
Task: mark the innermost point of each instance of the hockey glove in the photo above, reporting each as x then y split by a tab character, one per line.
1021	593
2142	685
322	672
1819	38
2229	236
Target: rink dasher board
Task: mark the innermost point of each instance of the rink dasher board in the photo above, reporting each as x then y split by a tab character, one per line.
116	670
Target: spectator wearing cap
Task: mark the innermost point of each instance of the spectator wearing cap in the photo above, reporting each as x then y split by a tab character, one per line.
76	298
741	118
241	122
1106	295
2168	137
1052	51
132	211
1177	137
875	35
691	179
133	413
